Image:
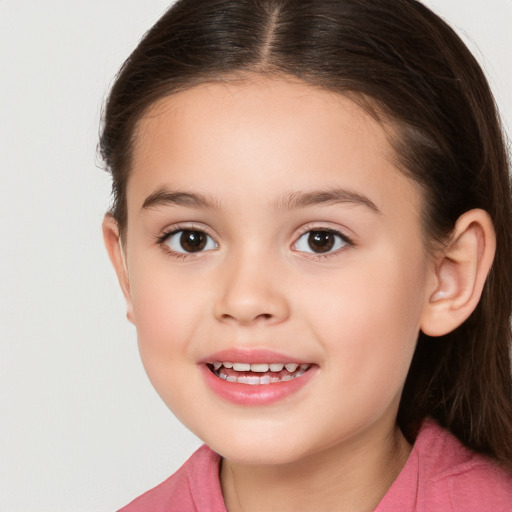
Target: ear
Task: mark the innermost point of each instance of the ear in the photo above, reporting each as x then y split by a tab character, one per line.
460	273
115	251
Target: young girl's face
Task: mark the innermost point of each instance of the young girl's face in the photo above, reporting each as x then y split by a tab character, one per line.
268	224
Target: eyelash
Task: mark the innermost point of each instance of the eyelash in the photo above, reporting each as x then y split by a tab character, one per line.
347	241
163	238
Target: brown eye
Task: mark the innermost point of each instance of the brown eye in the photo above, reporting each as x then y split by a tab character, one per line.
193	241
320	241
190	241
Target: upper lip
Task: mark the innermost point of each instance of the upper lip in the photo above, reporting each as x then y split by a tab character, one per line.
252	356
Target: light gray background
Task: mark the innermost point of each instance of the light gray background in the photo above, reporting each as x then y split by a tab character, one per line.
81	429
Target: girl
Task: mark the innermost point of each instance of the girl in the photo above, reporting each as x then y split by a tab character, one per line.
312	229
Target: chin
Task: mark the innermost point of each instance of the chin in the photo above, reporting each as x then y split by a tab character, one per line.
258	448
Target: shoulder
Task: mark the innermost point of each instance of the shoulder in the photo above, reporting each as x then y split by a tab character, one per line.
442	475
455	478
194	487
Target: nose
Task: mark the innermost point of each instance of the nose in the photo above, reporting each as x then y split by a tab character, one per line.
250	292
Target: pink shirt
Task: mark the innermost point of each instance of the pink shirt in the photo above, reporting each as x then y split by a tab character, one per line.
441	475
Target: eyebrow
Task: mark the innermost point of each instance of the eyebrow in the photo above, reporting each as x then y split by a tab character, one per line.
290	200
293	200
165	197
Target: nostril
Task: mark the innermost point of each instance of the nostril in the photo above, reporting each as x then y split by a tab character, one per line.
241	318
247	307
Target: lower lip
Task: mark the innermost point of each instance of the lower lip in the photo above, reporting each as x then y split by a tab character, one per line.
258	394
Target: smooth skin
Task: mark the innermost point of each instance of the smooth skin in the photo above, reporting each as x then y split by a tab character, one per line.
258	165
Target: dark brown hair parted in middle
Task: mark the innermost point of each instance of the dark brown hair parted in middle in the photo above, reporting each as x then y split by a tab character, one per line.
405	65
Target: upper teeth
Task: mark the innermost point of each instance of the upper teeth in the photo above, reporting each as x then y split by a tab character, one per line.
259	367
241	367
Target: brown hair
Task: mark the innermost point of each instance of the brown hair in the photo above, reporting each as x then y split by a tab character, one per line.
405	63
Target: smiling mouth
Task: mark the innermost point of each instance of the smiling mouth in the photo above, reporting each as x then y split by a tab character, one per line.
257	373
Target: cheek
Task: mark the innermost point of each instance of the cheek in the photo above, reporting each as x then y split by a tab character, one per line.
167	313
368	322
168	308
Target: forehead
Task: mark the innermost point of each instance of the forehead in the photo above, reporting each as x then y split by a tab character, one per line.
261	135
285	104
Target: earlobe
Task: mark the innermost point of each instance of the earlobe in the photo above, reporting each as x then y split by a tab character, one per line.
460	273
112	239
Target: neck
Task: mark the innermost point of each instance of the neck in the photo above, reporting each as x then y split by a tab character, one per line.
349	477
